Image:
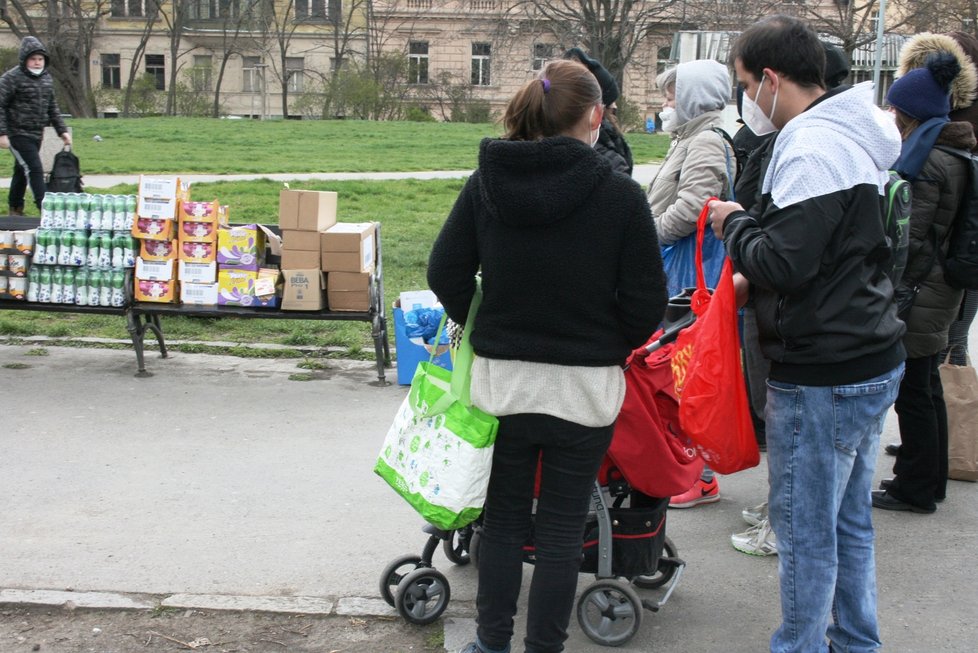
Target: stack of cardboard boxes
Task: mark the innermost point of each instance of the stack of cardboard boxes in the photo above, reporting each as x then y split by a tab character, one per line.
348	260
242	278
302	217
155	227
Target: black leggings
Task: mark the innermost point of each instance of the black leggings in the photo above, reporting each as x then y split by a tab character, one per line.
27	166
957	335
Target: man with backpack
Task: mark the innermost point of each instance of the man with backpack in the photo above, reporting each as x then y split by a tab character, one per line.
811	255
27	106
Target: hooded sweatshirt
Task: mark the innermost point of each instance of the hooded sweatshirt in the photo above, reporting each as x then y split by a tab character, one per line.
27	102
696	165
571	271
824	306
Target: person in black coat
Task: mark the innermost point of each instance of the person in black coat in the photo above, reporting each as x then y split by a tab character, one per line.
572	283
27	106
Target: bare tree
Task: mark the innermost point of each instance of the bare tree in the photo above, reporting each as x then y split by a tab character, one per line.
68	29
236	18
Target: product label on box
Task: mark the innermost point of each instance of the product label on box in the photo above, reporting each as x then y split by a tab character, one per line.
154	270
158	250
202	231
241	247
197	272
155	291
199	294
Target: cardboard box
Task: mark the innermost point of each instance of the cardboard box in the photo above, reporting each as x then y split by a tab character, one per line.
240	288
199	211
158	196
197	273
241	247
198	294
154	270
306	210
348	291
344	262
300	260
411	351
200	232
307	241
158	250
193	252
303	290
154	228
164	292
349	247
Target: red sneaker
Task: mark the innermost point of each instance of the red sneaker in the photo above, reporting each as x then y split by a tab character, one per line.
701	492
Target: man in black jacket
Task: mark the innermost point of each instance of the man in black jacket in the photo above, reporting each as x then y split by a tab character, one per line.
27	106
812	250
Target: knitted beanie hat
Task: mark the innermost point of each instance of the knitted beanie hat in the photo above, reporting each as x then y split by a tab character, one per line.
609	88
924	93
836	65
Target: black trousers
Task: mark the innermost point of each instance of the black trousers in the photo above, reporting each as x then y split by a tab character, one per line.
27	167
921	464
569	456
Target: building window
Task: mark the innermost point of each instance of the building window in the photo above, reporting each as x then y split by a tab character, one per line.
481	53
130	8
419	4
293	70
418	62
201	72
156	68
251	80
214	9
542	52
318	10
483	5
111	71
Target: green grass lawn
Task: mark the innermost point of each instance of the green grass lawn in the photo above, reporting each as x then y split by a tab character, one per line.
410	211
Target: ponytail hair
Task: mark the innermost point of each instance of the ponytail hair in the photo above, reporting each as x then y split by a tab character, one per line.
552	104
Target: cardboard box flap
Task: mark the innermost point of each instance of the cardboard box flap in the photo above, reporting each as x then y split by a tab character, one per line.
274	240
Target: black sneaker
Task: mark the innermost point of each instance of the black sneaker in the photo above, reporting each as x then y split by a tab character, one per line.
892	449
884	501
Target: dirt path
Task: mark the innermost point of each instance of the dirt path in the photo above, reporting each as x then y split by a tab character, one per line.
56	630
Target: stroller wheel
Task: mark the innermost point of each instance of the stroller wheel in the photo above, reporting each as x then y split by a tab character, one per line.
393	573
609	612
663	574
422	596
457	545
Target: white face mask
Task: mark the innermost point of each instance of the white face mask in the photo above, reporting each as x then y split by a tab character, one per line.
36	71
759	122
669	119
597	132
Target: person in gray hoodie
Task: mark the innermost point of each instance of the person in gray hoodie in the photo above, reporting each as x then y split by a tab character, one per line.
27	106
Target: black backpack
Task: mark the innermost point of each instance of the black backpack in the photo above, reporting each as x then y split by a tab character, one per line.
65	174
961	261
896	201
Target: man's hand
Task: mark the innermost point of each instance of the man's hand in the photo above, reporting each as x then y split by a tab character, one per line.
5	142
741	288
719	212
66	137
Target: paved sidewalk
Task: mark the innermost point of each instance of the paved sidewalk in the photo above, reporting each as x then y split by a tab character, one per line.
220	483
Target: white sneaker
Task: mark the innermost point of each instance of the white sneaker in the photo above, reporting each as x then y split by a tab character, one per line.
757	540
755	515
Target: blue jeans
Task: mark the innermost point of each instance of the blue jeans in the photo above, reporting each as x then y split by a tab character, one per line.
569	456
822	444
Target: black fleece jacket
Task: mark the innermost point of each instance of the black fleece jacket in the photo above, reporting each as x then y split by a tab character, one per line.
27	103
571	271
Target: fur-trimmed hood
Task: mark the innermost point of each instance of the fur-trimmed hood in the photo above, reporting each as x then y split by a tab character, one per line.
914	54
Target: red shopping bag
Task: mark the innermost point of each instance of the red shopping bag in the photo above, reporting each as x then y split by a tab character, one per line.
706	366
649	448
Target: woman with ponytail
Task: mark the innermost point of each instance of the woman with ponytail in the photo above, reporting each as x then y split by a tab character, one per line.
572	282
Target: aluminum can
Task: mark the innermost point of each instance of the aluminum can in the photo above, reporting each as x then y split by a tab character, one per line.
95	212
59	211
71	210
68	286
118	297
81	287
130	211
105	250
105	288
94	286
33	284
51	251
44	287
57	284
47	211
65	242
108	213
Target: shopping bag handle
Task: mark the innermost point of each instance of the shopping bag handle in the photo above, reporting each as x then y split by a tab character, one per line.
701	297
462	368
